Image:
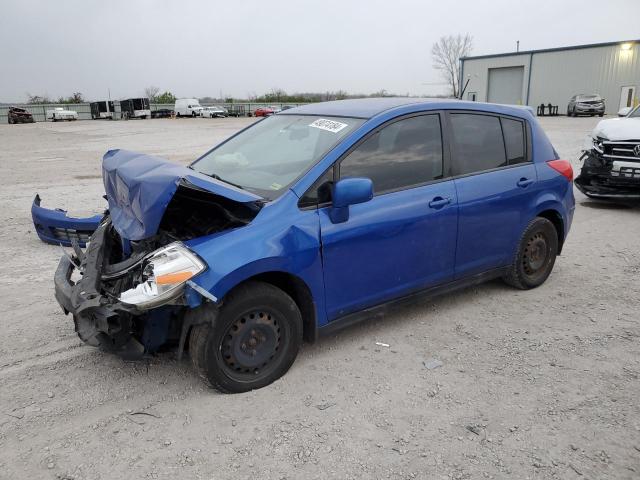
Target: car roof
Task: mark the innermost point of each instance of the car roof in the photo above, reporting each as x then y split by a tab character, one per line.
370	107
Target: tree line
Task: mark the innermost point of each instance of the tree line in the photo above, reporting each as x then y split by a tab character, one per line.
445	54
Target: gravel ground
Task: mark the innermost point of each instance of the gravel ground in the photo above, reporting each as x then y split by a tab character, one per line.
537	384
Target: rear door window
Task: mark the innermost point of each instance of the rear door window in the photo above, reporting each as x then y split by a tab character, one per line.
478	143
402	154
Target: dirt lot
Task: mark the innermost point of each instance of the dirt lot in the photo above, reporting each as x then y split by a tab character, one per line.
537	384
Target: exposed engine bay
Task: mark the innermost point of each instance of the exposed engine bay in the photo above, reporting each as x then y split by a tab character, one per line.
194	212
131	296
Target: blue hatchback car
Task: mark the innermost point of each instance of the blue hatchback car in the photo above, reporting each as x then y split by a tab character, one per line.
310	220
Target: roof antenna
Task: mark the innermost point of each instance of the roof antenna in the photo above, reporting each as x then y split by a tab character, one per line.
465	87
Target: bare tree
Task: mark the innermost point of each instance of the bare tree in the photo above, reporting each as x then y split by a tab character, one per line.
341	95
277	94
446	54
77	97
151	92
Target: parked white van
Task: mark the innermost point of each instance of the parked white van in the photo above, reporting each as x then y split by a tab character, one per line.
188	107
60	113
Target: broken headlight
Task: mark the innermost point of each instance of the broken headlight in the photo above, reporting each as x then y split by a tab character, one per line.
164	275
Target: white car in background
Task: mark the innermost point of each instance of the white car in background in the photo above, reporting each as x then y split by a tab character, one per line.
214	112
188	107
60	113
611	156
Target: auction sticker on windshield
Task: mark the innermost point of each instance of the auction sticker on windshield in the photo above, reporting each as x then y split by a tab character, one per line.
328	125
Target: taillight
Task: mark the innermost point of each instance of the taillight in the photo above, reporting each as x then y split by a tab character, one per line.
563	167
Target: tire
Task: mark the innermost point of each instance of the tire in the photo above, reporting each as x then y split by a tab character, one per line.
193	114
253	341
601	114
535	257
9	121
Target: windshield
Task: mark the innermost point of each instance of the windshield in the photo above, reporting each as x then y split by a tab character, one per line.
271	154
588	98
635	113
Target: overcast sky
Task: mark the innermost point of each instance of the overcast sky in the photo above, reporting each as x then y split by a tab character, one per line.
205	48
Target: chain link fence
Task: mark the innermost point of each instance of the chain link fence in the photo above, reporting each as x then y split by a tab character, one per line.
39	112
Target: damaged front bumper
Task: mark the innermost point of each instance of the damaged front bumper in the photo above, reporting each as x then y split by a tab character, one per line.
99	320
56	227
603	176
88	286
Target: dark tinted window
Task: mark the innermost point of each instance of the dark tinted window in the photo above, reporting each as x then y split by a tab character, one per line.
320	191
405	153
478	143
513	131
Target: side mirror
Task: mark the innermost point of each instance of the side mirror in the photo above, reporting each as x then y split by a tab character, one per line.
346	192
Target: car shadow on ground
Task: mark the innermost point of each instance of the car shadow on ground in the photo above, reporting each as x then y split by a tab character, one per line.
423	310
610	205
165	367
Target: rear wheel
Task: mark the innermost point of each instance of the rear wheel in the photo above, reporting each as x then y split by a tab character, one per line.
252	342
536	255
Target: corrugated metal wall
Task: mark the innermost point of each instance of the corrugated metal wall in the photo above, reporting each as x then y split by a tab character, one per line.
557	75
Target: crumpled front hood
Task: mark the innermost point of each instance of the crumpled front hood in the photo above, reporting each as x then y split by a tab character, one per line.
618	129
139	188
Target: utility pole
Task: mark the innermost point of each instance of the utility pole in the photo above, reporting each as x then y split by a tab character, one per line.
517	45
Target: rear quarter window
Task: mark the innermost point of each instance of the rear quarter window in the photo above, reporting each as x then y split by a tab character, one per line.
514	140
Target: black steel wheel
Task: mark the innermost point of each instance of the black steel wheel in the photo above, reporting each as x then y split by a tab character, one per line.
536	255
253	341
252	345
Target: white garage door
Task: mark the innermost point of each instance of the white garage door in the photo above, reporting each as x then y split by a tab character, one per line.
505	85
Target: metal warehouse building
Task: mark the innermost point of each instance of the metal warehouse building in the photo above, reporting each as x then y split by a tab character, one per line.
554	75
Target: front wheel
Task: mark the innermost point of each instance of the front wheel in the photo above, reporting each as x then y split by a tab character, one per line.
253	341
536	255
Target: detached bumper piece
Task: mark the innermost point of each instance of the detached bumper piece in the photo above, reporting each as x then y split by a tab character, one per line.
610	175
55	227
101	320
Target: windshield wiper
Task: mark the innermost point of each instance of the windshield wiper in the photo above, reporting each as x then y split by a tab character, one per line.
218	177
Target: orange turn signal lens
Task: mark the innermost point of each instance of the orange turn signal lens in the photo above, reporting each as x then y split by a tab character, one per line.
171	278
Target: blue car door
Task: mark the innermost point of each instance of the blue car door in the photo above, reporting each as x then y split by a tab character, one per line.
404	238
496	183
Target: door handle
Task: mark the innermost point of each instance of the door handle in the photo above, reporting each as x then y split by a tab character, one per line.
439	202
525	182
